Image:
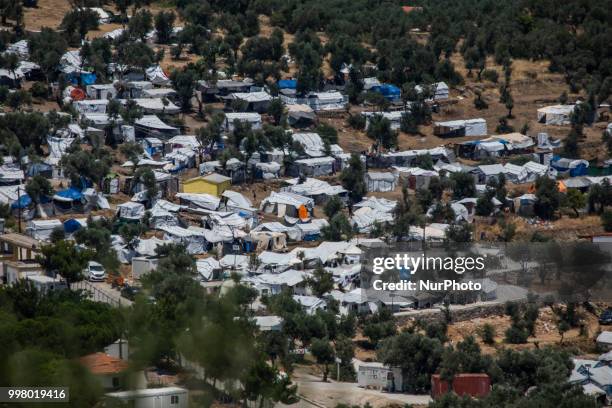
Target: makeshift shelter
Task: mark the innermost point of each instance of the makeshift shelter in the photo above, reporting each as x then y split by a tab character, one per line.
439	90
254	101
365	218
394	118
68	200
311	142
40	169
267	171
10	79
101	91
572	167
11	175
314	167
223	87
460	128
391	92
151	125
137	88
286	203
300	115
42	229
326	101
199	201
415	177
318	190
157	76
91	105
252	118
488	172
159	93
379	182
214	184
194	241
131	211
72	225
156	105
556	114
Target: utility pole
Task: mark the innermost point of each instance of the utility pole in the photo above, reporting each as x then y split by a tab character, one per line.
19	209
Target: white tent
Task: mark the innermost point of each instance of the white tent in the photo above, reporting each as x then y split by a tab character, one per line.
311	142
556	114
157	76
253	118
194	241
380	181
42	229
156	105
131	210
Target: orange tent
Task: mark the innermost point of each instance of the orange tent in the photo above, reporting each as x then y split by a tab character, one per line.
303	212
77	94
561	187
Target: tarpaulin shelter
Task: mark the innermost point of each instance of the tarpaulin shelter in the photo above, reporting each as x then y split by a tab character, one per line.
70	199
389	91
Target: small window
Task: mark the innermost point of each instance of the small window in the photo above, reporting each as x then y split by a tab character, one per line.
115	382
174	400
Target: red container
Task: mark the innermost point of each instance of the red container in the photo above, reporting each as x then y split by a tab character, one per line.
474	385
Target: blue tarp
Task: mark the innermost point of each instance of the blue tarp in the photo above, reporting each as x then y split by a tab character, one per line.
71	194
287	84
24	202
38	168
71	225
389	91
86	78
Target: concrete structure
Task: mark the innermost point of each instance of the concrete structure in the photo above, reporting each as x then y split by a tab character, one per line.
170	397
379	376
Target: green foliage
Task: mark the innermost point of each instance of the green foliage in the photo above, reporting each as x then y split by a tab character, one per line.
606	220
333	206
339	229
93	166
463	185
548	198
46	49
353	178
418	357
184	82
38	187
324	354
487	333
321	282
78	22
140	24
164	22
379	129
66	259
357	122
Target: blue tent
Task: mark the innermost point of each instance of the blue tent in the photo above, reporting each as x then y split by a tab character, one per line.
24	202
389	91
69	194
87	78
72	225
287	84
40	168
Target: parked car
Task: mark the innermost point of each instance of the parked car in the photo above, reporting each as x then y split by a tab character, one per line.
95	272
130	292
606	317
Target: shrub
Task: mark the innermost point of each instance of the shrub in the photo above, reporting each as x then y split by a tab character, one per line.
357	122
490	75
487	333
516	335
39	90
606	220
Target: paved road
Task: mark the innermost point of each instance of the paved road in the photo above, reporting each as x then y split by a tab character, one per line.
319	394
103	292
